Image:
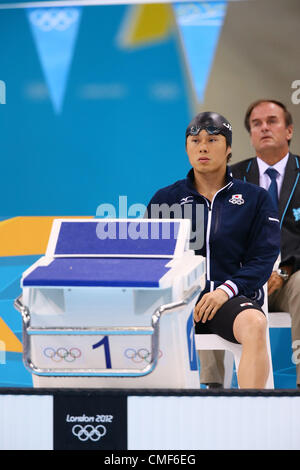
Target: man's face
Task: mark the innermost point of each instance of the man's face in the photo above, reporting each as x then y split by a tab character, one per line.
207	153
268	129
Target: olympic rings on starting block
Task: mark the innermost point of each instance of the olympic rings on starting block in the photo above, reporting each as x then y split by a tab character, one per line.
139	355
62	354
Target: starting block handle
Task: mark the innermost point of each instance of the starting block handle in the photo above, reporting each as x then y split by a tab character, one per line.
134	330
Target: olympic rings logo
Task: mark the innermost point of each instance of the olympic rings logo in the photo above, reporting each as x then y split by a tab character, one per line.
84	433
139	355
62	354
54	18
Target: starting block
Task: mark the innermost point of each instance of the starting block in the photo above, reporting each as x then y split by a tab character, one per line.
110	305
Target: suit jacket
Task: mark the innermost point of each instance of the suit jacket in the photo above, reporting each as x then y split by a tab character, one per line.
289	205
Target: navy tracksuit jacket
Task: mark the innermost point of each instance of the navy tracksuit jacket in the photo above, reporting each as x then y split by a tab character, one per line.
241	232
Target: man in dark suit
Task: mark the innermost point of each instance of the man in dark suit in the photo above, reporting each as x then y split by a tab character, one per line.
277	170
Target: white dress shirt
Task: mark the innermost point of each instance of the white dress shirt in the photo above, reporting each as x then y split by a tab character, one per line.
264	179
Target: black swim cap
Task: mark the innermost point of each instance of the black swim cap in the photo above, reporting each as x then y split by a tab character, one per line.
213	123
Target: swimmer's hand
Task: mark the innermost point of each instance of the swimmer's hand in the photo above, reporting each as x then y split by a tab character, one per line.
209	305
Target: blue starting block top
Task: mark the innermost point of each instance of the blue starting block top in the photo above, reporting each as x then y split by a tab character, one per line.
107	272
110	253
115	238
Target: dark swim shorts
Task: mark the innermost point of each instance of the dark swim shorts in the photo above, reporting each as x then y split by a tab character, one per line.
222	323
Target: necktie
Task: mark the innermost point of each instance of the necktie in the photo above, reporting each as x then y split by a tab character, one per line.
273	190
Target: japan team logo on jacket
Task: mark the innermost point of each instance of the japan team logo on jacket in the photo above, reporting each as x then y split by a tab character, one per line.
237	199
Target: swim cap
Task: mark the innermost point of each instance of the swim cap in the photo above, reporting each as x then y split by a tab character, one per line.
213	123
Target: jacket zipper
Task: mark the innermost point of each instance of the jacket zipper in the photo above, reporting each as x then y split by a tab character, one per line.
210	208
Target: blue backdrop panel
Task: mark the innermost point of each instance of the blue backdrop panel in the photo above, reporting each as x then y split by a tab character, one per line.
118	130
